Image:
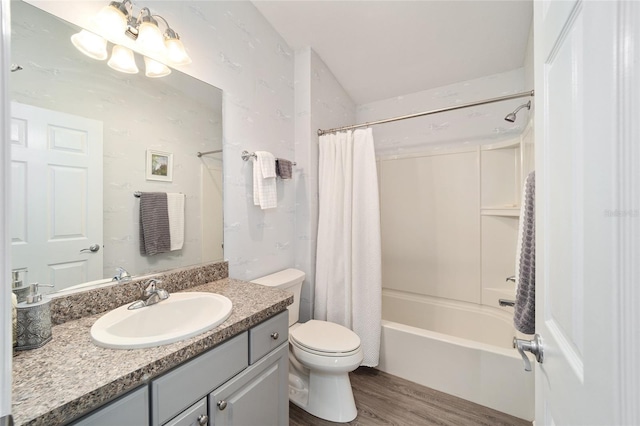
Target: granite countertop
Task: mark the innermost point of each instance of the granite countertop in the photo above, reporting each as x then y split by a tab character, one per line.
70	375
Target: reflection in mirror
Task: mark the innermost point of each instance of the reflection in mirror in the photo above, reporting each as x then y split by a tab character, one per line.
82	139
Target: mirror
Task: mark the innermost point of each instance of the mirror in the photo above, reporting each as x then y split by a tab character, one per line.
84	139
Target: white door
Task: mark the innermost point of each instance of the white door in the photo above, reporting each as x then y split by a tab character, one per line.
587	230
56	198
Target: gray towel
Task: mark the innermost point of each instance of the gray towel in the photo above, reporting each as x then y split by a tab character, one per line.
283	168
154	223
524	316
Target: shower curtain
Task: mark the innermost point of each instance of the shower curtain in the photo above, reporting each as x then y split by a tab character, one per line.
348	264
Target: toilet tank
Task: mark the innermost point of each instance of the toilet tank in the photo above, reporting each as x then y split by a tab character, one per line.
290	280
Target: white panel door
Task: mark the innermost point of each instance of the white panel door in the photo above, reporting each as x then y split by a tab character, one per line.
580	65
56	196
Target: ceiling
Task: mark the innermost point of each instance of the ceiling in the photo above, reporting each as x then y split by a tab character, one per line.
381	49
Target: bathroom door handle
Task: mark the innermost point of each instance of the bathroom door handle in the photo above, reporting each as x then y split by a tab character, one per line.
92	248
534	346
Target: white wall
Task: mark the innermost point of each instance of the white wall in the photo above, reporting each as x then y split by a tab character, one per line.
321	103
469	126
234	48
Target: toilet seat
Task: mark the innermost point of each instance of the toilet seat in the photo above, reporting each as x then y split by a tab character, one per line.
325	339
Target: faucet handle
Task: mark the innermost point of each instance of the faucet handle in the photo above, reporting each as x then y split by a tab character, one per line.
151	287
162	294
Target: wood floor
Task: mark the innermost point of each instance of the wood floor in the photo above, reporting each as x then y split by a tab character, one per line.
383	399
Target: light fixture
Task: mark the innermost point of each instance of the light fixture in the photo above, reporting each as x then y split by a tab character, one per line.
113	19
175	49
122	60
155	69
116	23
90	44
149	35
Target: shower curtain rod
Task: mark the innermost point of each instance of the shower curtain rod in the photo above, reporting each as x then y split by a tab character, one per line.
434	111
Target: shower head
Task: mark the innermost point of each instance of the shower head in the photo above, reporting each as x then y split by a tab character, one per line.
511	117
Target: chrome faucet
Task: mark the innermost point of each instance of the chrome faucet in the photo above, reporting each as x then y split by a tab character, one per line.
122	275
150	295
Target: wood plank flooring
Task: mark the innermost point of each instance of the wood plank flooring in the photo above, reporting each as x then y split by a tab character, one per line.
383	399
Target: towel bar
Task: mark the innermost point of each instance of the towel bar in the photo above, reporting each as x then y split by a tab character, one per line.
137	194
246	156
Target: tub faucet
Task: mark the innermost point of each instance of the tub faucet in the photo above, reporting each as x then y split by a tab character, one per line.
150	295
122	275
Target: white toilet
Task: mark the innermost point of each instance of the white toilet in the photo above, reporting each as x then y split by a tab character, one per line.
321	355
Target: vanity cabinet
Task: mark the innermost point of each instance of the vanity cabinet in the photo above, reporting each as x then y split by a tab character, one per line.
243	381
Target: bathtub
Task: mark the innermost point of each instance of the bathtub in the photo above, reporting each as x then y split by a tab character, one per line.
458	348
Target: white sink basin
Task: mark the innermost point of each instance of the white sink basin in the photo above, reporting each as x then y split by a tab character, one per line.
179	317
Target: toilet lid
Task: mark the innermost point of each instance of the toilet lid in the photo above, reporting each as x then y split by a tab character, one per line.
323	336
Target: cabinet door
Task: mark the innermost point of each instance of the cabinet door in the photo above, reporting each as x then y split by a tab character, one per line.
131	409
196	415
257	396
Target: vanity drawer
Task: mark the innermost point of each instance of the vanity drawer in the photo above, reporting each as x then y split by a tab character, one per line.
176	390
266	336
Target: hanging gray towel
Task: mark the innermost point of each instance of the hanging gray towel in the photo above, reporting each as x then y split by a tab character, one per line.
283	168
155	236
524	316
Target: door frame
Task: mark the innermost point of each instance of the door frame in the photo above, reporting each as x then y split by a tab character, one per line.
6	331
626	213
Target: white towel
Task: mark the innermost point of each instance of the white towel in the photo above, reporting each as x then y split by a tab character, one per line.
264	180
175	208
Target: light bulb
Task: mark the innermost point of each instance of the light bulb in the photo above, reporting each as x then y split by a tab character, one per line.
155	69
90	44
122	60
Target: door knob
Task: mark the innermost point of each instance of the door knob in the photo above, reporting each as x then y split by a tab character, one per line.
202	420
222	405
534	346
92	248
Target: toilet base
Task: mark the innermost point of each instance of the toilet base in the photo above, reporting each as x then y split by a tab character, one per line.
327	396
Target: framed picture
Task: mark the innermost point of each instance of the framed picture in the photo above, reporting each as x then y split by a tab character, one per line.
159	165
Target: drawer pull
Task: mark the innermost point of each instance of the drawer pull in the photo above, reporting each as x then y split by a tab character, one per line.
222	405
203	420
275	335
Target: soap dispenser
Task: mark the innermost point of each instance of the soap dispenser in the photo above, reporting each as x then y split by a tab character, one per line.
34	320
16	284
